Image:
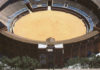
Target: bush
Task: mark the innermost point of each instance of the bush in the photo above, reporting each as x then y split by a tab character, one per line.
85	62
24	63
95	62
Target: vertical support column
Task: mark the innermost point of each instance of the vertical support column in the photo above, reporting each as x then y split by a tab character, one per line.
71	51
97	46
92	46
86	50
79	50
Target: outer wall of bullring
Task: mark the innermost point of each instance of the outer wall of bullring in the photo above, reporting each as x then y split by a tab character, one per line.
12	46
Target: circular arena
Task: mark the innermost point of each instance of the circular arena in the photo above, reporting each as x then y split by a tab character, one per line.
61	29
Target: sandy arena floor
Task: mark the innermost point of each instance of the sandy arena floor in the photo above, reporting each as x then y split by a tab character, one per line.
44	24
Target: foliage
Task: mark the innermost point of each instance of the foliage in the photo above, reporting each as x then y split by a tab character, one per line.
24	62
85	62
95	62
28	63
73	61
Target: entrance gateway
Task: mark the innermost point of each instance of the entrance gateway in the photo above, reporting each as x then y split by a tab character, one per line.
51	55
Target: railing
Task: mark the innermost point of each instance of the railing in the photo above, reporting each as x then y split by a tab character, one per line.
85	15
39	5
88	18
58	5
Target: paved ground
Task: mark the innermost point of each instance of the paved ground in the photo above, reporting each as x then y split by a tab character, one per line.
68	69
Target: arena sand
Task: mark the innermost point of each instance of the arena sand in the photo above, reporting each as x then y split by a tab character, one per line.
44	24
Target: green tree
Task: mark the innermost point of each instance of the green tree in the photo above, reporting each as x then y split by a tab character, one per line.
73	61
95	62
10	61
84	61
27	63
23	63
